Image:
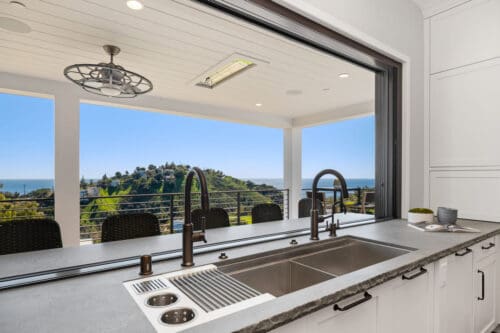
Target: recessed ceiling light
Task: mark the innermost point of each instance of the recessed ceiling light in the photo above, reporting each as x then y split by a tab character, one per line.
344	75
14	25
135	4
225	72
258	105
17	4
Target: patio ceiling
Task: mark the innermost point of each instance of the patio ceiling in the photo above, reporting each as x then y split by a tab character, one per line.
174	43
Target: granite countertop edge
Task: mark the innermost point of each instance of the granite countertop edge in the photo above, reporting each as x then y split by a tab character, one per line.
288	316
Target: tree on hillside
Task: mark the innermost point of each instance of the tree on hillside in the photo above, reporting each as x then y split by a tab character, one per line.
12	210
83	183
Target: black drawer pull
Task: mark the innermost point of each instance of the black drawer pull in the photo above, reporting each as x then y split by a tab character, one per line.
467	250
488	247
482	285
422	271
366	297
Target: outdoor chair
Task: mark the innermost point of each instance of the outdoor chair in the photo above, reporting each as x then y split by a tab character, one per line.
128	226
266	212
367	202
319	196
29	235
216	218
305	206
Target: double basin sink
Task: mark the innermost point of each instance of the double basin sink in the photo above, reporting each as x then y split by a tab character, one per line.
284	271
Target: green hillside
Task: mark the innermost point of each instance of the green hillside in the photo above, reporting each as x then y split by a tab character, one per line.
143	188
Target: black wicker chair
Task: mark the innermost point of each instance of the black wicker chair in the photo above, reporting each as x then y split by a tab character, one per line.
29	235
305	206
266	212
128	226
216	218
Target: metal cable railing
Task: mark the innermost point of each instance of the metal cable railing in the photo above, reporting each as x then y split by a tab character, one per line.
354	203
25	208
169	208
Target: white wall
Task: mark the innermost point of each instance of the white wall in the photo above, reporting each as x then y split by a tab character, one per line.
395	28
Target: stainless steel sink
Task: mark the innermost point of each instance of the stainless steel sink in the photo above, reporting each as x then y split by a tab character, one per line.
283	271
280	278
354	256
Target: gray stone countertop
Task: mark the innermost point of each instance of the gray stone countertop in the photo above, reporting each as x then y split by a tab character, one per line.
99	302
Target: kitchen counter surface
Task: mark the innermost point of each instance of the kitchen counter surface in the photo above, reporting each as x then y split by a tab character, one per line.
100	303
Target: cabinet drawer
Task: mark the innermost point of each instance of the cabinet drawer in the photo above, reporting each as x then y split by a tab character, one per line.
353	315
484	249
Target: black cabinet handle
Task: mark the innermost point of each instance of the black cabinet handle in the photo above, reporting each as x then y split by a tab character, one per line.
366	297
488	247
422	271
482	285
467	250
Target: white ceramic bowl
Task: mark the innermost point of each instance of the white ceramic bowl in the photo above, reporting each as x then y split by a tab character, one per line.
420	217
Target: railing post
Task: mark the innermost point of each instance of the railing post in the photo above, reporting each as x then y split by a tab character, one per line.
287	191
359	195
171	214
238	208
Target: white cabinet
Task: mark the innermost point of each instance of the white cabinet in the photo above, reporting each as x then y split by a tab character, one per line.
465	34
464	117
407	305
354	315
475	193
453	293
484	289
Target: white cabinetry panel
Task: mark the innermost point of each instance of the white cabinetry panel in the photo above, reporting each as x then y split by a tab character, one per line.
453	293
465	116
465	34
474	193
361	318
406	305
484	294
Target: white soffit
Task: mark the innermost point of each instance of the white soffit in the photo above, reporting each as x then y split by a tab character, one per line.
433	7
175	42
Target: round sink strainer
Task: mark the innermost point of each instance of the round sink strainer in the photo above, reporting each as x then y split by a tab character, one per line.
162	300
178	316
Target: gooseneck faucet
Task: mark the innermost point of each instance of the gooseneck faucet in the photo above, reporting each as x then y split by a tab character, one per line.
315	210
188	235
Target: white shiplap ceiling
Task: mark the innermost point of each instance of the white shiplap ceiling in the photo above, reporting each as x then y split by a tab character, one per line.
172	42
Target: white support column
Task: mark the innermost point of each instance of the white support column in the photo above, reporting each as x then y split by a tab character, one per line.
67	167
292	167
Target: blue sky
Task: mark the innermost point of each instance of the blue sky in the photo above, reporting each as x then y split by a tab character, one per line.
114	139
26	137
347	146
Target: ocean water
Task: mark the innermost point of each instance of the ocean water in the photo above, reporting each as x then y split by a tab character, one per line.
324	182
27	185
23	186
